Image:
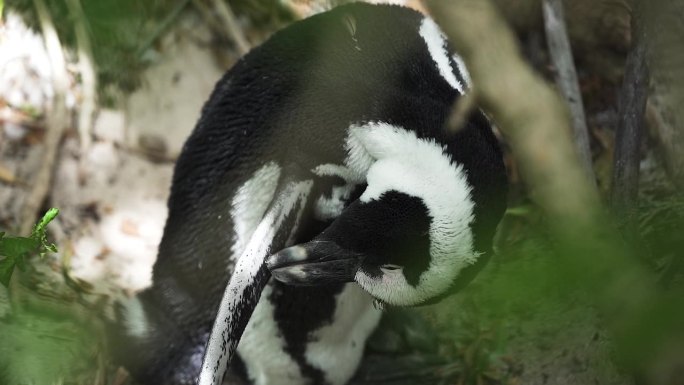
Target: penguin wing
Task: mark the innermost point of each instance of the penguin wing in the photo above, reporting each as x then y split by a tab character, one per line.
250	276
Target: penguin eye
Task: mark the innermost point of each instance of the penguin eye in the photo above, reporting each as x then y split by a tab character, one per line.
390	268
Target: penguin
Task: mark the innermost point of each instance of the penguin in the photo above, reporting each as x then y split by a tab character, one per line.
320	180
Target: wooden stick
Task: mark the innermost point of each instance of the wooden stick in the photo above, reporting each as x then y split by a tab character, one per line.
566	79
88	77
231	26
57	121
162	27
632	108
208	17
463	107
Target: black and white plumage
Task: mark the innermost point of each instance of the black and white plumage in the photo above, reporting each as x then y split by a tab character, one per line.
328	138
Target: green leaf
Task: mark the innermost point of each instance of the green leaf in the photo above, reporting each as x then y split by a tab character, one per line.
40	232
15	247
6	269
20	262
47	218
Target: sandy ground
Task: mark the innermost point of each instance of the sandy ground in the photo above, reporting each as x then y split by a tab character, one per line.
122	189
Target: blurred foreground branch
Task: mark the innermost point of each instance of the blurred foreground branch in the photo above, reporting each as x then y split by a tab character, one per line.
537	124
533	119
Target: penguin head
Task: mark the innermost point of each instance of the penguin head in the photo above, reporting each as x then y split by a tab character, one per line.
406	238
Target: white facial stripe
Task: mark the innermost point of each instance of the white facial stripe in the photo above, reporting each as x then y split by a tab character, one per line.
420	168
460	64
221	345
134	318
336	349
434	38
250	203
267	365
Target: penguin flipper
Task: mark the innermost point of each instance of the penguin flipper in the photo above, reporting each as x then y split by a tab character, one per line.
249	278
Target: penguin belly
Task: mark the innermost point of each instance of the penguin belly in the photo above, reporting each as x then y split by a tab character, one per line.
314	336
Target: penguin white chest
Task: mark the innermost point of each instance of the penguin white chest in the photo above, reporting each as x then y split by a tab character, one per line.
335	349
262	348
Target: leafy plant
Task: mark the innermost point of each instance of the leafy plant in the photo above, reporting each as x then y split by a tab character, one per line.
15	250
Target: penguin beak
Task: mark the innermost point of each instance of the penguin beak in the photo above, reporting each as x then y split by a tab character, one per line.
314	263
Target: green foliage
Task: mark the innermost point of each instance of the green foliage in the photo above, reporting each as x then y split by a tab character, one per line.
41	348
121	32
15	250
116	29
46	339
480	348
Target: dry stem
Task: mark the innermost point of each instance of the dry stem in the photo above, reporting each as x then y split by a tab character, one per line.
630	129
566	78
88	76
231	27
57	121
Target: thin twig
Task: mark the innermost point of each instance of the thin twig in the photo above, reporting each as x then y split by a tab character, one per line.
566	78
208	17
162	27
231	27
633	97
57	120
7	175
461	110
121	377
88	78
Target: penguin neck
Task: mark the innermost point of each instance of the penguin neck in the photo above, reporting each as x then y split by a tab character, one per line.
392	158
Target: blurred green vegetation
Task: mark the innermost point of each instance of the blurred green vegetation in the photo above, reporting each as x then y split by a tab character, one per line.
528	306
117	28
15	250
41	348
122	32
43	340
